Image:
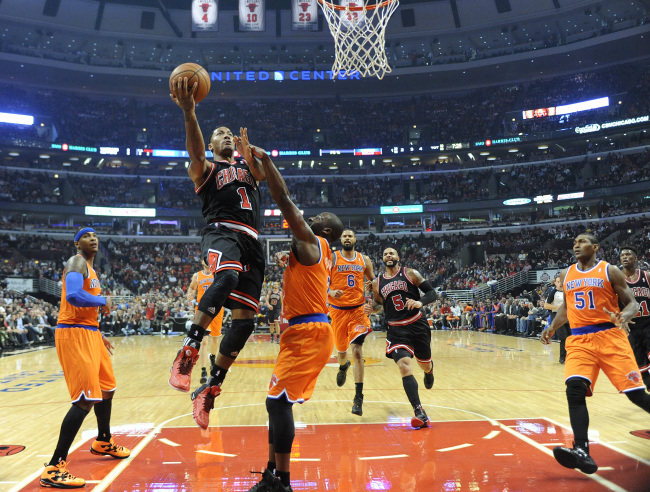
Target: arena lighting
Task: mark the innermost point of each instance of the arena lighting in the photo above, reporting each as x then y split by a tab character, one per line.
268	212
542	147
400	209
121	212
173	163
164	222
491	158
517	201
415	159
543	199
14	154
601	102
571	196
44	156
387	161
67	164
144	162
16	119
109	150
513	150
485	152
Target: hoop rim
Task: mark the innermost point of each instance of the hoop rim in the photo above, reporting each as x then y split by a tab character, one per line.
332	6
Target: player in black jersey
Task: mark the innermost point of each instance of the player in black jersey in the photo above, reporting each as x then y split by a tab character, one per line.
274	300
229	245
639	327
409	335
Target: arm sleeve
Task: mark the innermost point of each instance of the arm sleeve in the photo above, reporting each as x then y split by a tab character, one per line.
75	295
430	294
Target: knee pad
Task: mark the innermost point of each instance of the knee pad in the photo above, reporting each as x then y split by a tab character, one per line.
235	338
216	295
576	391
400	353
281	418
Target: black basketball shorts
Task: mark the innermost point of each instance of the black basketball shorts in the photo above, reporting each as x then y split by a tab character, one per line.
415	338
640	342
226	249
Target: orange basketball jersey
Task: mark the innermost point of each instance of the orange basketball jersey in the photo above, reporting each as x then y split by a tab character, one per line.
81	316
305	287
586	294
347	275
204	281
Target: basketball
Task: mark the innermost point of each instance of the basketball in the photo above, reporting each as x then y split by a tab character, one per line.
194	73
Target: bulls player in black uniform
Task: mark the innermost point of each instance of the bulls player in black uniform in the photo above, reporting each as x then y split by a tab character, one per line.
409	335
230	193
639	327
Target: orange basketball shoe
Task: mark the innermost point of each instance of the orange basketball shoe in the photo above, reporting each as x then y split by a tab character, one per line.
109	448
58	476
181	371
202	403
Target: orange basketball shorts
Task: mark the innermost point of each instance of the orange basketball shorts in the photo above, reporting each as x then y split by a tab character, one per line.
608	350
305	348
348	324
86	363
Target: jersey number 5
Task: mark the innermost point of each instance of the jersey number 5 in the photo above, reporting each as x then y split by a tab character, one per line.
398	302
245	202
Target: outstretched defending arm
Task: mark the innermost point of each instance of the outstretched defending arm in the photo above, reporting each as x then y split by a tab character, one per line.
306	244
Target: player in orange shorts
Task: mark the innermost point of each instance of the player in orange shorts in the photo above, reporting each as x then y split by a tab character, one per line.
593	290
306	346
349	311
201	281
84	354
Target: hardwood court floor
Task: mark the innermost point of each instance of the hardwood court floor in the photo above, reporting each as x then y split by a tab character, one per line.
497	406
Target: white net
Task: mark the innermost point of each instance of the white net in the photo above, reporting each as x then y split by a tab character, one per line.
358	28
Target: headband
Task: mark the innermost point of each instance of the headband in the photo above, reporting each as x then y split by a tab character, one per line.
83	231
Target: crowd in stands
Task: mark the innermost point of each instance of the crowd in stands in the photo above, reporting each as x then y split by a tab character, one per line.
377	122
150	280
399	189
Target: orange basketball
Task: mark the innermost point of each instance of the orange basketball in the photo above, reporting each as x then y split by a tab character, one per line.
194	73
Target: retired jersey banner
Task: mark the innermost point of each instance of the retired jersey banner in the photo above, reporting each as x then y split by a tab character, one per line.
251	15
204	15
304	15
355	19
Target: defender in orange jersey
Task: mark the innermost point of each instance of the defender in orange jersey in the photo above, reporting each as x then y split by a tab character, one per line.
593	290
349	311
201	281
84	354
306	346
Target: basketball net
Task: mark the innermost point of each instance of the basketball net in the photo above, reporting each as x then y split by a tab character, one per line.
358	28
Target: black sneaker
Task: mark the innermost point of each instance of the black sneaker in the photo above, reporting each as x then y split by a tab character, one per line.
356	407
428	380
278	487
575	458
420	420
342	374
204	376
266	484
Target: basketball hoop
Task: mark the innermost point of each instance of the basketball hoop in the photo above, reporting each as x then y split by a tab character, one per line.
358	28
